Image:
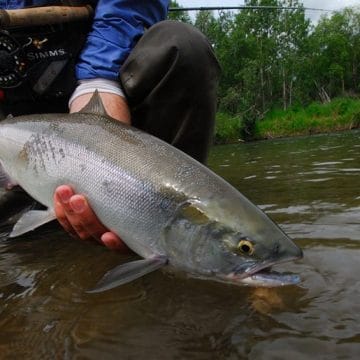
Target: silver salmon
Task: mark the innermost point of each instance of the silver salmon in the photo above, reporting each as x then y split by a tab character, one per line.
168	208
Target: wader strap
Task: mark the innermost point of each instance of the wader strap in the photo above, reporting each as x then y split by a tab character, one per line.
49	75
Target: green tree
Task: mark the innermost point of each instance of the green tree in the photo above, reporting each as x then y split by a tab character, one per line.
336	57
182	16
273	58
291	43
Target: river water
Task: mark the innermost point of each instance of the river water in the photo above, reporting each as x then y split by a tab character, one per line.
310	186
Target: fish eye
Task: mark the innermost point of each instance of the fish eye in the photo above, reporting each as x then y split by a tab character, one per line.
246	247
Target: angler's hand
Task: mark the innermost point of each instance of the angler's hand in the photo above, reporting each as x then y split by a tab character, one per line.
75	215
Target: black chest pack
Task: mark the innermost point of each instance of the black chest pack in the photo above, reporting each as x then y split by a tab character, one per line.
38	60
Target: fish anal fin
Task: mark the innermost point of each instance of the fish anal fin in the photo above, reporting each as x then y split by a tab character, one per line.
127	272
32	220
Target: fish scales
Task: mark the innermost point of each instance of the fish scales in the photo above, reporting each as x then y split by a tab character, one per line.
108	157
166	206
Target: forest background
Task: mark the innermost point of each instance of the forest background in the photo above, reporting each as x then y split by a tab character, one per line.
281	74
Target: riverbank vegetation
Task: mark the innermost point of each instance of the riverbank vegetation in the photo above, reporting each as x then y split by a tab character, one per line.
339	114
281	74
336	115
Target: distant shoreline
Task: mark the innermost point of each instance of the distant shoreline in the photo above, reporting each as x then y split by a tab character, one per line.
338	115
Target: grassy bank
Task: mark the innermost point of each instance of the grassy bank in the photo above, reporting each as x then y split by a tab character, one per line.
228	128
339	114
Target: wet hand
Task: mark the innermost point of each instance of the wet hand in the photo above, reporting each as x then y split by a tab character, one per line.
77	218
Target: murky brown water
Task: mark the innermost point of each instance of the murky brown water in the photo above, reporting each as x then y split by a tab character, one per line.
310	186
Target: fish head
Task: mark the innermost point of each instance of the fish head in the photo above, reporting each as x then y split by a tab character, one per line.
243	257
214	244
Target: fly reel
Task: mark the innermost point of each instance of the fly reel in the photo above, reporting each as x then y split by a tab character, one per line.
12	61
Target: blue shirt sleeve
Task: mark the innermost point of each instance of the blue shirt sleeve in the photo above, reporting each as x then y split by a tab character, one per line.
117	26
19	4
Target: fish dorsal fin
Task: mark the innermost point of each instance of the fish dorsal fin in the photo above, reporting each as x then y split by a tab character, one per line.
95	105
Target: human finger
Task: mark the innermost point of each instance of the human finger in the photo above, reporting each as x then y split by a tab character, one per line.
113	242
68	218
77	217
61	215
86	218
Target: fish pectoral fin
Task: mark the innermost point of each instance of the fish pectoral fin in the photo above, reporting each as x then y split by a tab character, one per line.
125	273
32	220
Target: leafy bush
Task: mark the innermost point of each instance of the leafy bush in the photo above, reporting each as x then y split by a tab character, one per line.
228	128
340	114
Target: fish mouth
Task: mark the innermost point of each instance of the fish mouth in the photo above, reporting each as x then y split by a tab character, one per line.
260	274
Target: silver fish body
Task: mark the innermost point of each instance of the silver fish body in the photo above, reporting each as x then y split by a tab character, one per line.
161	202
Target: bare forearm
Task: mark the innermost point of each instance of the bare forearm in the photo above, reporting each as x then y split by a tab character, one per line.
115	105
